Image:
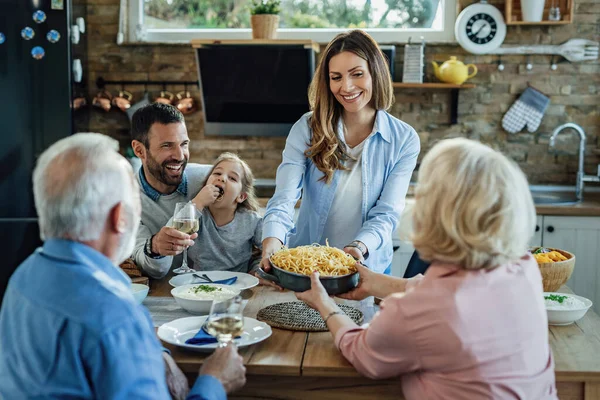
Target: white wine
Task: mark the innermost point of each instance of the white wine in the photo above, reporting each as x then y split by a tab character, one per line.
188	226
226	327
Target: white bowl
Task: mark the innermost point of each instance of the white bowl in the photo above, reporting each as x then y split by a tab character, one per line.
198	306
139	292
567	317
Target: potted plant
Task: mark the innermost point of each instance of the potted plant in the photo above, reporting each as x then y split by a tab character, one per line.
264	18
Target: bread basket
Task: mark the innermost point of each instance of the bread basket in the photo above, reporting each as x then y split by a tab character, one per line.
555	274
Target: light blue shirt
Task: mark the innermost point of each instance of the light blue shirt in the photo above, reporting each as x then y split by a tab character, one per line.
388	160
70	328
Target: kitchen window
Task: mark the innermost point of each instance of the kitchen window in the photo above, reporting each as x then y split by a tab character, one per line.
388	21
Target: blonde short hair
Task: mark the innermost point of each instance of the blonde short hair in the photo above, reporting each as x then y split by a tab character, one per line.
473	206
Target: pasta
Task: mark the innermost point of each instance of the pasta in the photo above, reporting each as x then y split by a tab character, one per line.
328	261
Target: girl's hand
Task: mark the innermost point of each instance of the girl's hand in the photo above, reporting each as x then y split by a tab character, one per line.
208	195
317	296
269	246
363	289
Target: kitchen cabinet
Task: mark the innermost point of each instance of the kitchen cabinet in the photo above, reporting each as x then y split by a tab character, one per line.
536	240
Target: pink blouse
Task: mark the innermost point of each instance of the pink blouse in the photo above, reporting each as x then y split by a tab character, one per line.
461	334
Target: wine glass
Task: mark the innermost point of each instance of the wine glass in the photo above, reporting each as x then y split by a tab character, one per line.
184	220
225	320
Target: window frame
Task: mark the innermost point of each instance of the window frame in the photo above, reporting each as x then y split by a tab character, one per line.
138	34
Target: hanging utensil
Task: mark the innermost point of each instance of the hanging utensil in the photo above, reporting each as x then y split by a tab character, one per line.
573	50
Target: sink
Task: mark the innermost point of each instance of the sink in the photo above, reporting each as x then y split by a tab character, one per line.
554	198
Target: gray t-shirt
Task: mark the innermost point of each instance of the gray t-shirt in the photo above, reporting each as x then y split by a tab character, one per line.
228	247
157	209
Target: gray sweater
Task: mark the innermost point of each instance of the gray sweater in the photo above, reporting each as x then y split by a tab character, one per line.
156	214
227	247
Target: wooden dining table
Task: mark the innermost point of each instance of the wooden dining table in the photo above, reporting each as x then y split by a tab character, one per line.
307	365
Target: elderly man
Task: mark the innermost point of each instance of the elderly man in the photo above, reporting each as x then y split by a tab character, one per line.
69	326
161	142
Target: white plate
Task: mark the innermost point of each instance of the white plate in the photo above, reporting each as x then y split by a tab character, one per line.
567	317
244	281
178	331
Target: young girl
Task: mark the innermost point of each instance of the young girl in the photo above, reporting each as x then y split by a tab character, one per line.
230	227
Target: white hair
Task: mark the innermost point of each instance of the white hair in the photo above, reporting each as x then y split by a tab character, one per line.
76	182
473	206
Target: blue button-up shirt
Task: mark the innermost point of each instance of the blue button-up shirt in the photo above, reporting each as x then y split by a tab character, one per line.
388	160
70	328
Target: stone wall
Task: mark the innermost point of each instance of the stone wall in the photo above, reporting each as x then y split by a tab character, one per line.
573	90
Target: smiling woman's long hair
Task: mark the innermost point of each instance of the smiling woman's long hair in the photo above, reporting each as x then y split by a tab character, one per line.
325	149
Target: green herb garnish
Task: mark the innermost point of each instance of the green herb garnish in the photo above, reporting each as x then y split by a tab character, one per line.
206	289
556	297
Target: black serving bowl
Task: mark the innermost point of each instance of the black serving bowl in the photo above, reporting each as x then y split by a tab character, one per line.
300	283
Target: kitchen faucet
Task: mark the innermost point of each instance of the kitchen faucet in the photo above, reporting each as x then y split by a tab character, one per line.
581	177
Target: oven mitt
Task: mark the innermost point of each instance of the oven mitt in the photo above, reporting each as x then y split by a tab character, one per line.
527	110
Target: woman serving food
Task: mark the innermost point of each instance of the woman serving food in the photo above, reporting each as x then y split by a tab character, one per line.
351	160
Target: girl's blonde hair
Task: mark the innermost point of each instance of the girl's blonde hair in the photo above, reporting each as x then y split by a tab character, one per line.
325	149
473	206
251	202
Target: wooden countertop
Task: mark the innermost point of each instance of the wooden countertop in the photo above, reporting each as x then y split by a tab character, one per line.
295	362
589	207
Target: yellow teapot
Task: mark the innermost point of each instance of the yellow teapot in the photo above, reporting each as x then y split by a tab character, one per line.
453	71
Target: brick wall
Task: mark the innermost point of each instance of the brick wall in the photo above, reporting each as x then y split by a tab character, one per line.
573	90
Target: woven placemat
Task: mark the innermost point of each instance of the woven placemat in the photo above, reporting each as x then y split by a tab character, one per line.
297	316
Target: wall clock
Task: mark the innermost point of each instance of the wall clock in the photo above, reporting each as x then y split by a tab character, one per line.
480	28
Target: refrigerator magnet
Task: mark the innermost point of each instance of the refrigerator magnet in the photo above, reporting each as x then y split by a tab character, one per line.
57	5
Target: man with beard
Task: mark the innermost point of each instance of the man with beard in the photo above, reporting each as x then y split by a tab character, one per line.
69	325
161	142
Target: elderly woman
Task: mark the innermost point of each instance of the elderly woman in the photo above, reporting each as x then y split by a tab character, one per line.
474	327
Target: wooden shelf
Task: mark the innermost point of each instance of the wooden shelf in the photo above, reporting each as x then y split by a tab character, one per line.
196	43
513	15
433	85
539	23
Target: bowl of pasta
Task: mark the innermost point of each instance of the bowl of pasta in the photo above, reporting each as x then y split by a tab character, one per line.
556	266
291	268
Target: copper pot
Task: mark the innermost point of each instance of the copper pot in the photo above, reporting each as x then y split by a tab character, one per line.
123	100
103	100
79	102
185	102
165	97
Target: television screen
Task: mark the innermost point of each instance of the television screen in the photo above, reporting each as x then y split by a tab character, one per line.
254	90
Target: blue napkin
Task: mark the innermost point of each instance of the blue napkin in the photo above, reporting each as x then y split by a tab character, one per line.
229	281
201	338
